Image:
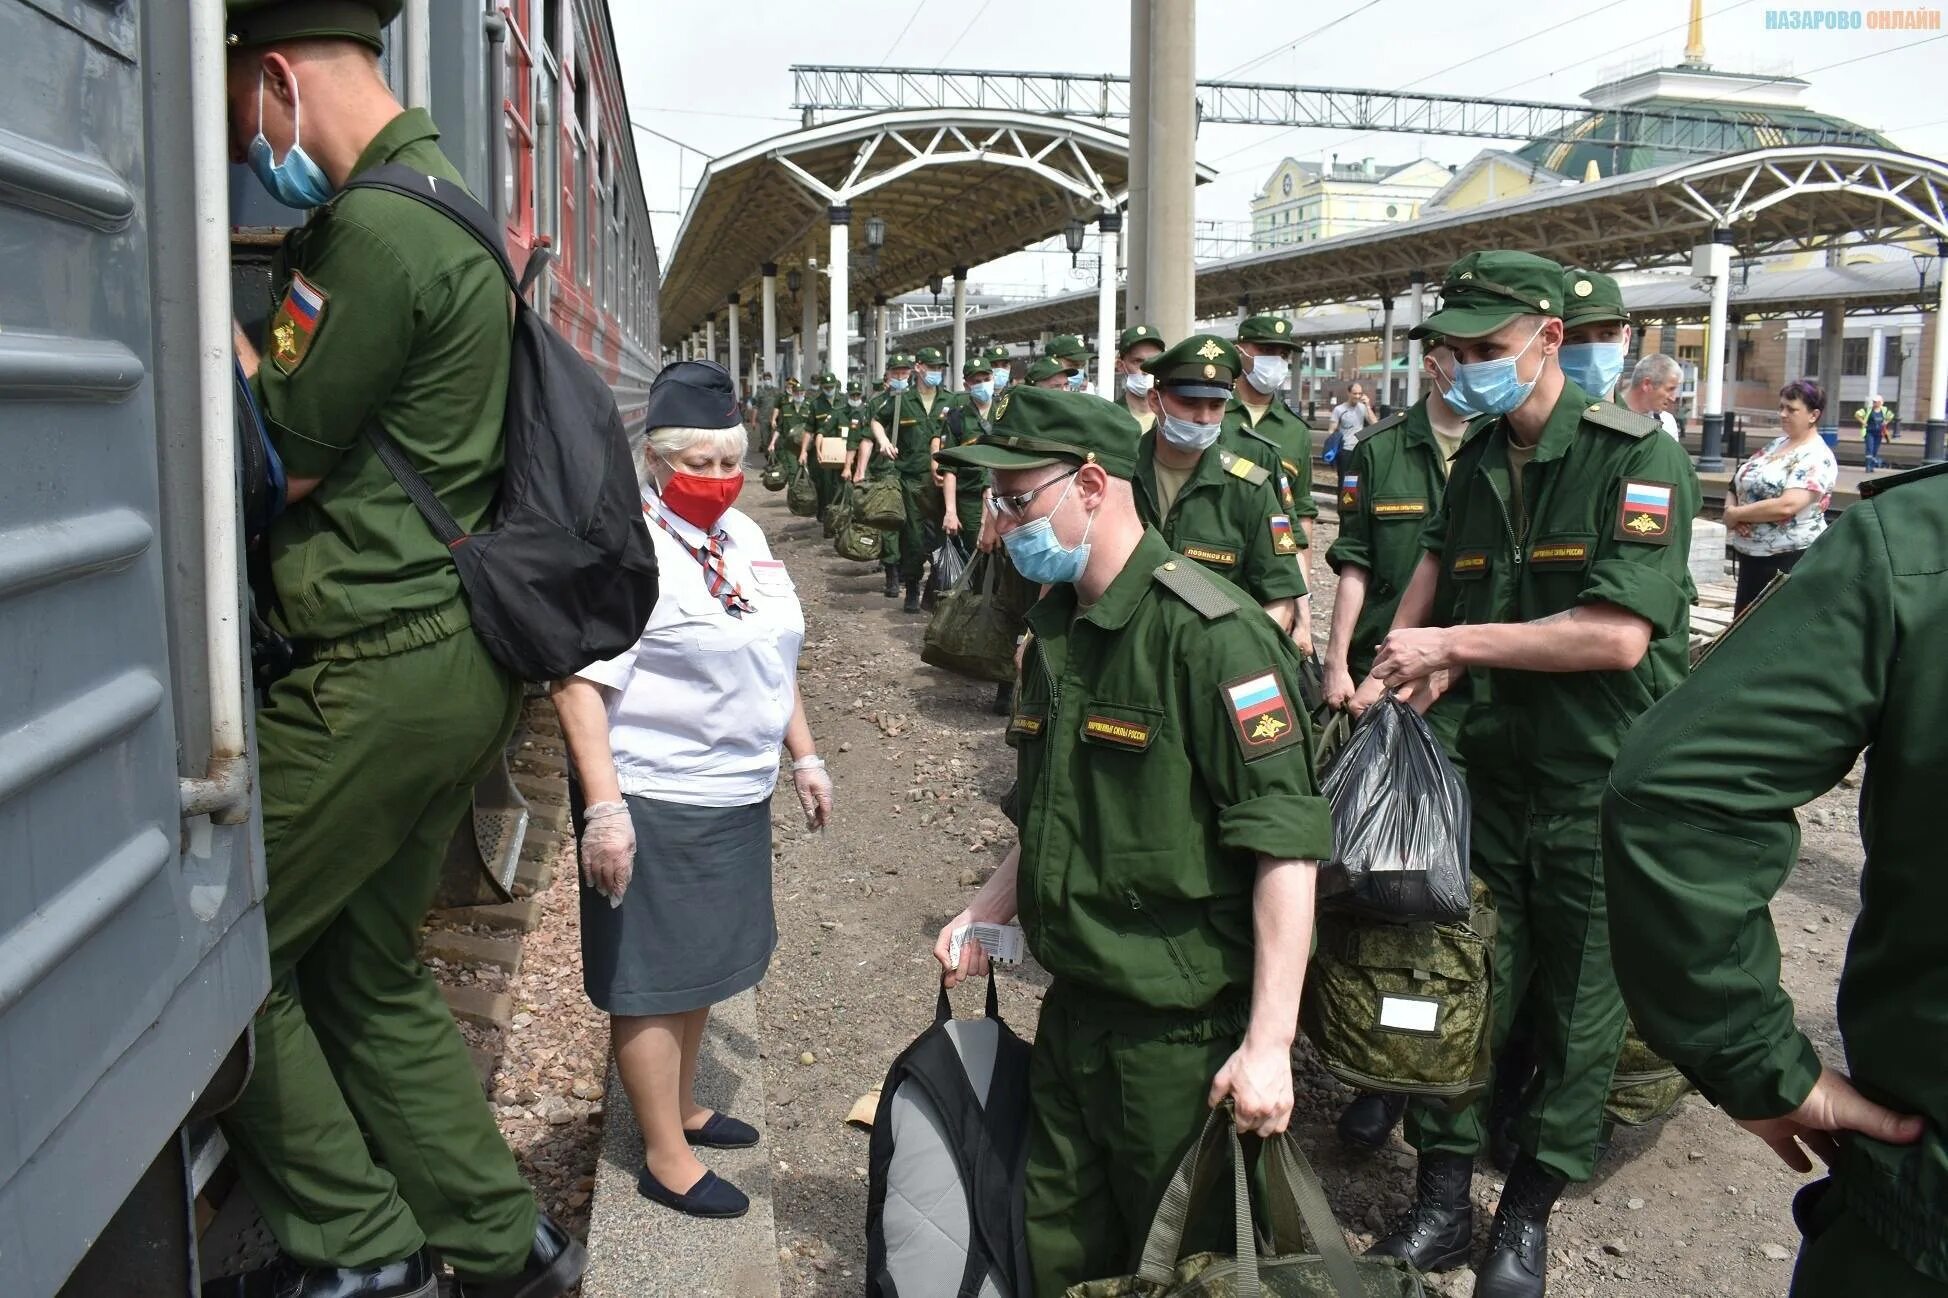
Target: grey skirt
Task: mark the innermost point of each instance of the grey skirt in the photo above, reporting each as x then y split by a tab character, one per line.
695	926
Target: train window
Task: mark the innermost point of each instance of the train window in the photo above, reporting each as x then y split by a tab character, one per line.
518	84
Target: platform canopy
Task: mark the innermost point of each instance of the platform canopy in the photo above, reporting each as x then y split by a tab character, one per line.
1770	200
954	188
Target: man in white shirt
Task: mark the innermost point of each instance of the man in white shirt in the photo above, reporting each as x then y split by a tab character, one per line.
1350	418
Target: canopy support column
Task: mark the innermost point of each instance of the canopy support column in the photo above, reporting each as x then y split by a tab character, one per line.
958	358
879	339
1714	261
1137	300
1168	221
1386	354
1416	313
734	360
1832	368
1110	223
838	348
771	361
808	328
1933	450
710	337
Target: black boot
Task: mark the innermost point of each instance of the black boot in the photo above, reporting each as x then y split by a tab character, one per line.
1439	1230
930	595
912	604
555	1264
1517	1265
1368	1121
414	1276
1004	699
892	581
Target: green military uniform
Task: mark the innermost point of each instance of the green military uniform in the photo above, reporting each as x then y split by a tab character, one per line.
1139	335
794	427
1591	298
1225	514
1003	367
363	1134
1044	368
1699	835
1074	353
825	403
911	420
763	401
967	420
1160	756
1603	515
1271	434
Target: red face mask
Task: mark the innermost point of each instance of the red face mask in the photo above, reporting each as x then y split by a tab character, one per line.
698	500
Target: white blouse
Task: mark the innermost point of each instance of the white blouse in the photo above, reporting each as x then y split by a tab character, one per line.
698	709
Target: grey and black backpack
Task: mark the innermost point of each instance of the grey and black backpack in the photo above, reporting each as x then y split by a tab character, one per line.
949	1146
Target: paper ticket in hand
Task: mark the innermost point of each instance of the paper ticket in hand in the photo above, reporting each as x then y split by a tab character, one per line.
1002	942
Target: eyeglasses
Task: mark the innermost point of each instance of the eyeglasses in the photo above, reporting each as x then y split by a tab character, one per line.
1015	508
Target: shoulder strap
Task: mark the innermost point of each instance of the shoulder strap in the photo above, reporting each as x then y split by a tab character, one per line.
1393	420
1188	582
1237	466
1871	487
1620	419
454	202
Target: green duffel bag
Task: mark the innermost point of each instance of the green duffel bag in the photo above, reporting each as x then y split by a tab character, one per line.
773	477
1296	1210
1644	1087
1404	1007
881	505
859	544
970	633
801	498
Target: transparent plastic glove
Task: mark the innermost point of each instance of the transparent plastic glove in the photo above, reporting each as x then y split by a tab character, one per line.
814	790
608	849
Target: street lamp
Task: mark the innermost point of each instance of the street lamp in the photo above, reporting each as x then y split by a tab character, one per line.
1072	234
875	239
933	287
793	279
1923	263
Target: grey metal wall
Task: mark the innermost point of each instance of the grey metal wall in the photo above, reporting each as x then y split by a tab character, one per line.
131	941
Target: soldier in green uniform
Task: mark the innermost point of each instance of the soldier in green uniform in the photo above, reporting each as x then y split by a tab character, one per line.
1003	367
794	420
1392	484
1169	826
906	423
764	400
824	404
1596	333
1699	835
1555	578
1074	353
1260	425
1138	343
1208	503
872	463
362	1135
964	487
1048	372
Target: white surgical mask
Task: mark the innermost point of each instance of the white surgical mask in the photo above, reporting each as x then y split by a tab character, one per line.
1268	373
1139	383
1187	434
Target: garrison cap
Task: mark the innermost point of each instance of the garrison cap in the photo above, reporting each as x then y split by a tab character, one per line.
929	356
1033	427
900	361
1591	299
1138	333
1203	365
692	394
1063	346
249	23
1047	367
1266	329
1485	290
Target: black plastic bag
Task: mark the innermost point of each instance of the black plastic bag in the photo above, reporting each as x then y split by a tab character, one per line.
1400	820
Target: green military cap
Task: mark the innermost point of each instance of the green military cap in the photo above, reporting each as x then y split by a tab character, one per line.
1033	427
827	379
1140	333
271	22
1591	298
853	389
1267	330
1064	345
1485	290
900	361
976	363
1047	367
929	356
999	353
1203	365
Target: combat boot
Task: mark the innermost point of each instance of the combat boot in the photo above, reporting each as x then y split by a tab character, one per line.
930	595
1439	1230
892	580
1517	1265
1368	1121
912	604
1004	699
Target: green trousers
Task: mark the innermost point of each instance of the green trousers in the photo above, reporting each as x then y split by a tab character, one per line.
1843	1256
1537	850
363	1133
921	531
1118	1095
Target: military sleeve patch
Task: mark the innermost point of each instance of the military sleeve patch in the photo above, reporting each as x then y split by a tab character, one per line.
1349	492
295	322
1283	542
1469	564
1261	717
1644	513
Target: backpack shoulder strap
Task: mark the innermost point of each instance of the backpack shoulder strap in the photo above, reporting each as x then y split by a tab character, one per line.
446	197
393	456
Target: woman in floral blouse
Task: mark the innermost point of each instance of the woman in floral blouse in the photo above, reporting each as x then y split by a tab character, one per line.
1779	496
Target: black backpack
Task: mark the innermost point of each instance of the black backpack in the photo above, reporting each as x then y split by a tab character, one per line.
952	1111
567	575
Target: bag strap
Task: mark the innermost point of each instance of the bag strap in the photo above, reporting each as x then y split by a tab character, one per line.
1165	1242
450	199
393	456
1293	1175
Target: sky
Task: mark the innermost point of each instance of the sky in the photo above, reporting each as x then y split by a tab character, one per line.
716	76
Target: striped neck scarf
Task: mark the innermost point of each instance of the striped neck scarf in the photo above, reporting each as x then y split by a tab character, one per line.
709	557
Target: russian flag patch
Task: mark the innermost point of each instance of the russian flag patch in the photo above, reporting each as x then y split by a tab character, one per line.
1644	512
295	322
1349	491
1260	715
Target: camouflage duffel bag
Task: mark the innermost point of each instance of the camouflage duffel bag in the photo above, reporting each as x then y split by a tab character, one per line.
852	540
1644	1087
773	476
970	634
881	505
1404	1007
801	498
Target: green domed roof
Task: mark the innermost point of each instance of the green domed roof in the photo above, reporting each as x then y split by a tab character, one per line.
1632	138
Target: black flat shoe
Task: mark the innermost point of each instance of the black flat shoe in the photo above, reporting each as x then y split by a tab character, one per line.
414	1276
710	1197
555	1264
721	1131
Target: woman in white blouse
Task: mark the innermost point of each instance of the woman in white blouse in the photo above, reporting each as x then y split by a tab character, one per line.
675	746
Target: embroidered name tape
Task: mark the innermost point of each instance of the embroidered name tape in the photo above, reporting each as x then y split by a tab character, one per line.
1399	508
1114	730
1210	554
1559	552
1025	724
1470	563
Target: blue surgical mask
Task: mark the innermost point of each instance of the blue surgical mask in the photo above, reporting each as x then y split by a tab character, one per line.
296	181
1001	379
981	392
1078	380
1039	556
896	385
1187	434
1593	367
932	378
1494	387
1452	395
